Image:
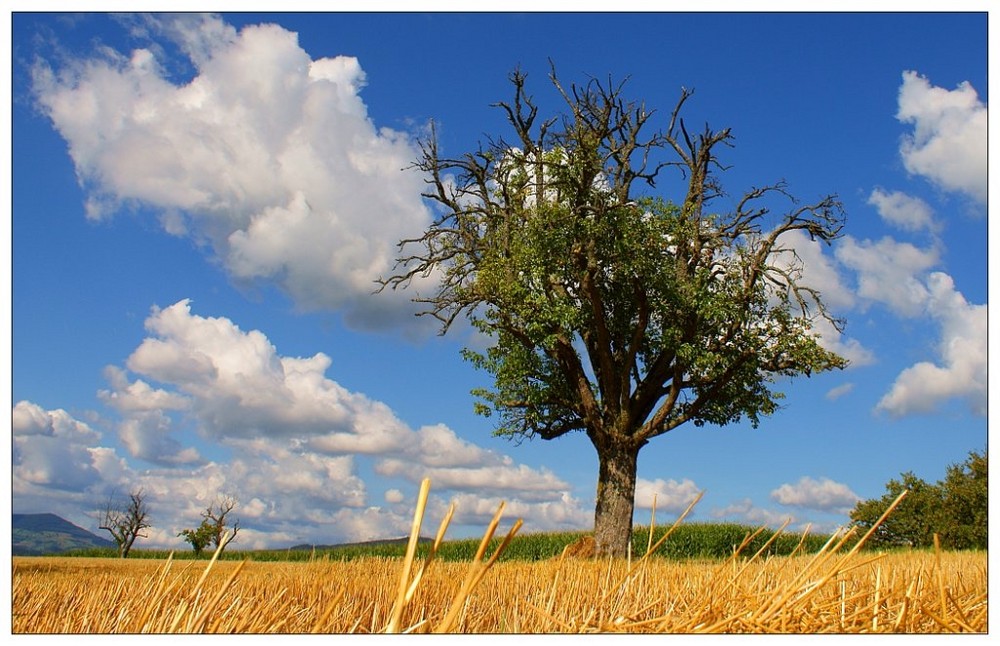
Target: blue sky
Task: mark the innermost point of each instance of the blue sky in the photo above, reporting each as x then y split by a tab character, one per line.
201	203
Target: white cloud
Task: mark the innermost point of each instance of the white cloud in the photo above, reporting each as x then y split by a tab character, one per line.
146	435
266	155
51	449
671	496
818	270
559	513
500	476
948	147
745	511
138	396
904	211
813	268
238	384
837	392
948	143
889	272
962	352
822	495
897	274
295	438
835	341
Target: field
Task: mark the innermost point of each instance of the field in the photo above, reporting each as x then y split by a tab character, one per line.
918	592
690	578
838	588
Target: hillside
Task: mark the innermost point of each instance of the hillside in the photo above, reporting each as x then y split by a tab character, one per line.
39	534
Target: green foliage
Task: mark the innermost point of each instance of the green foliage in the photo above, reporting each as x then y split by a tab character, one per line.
688	541
612	311
955	509
965	494
719	540
607	305
200	537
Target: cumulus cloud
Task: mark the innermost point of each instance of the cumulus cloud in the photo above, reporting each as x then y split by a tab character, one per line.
898	275
808	261
904	211
237	383
53	450
817	270
889	272
295	437
671	496
745	511
558	513
822	495
265	155
948	147
948	141
961	371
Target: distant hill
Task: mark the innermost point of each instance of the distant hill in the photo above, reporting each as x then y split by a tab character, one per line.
39	534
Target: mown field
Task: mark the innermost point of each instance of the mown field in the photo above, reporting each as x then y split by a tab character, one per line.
830	590
769	583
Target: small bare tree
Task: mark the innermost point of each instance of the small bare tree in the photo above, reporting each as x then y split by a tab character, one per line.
215	518
126	522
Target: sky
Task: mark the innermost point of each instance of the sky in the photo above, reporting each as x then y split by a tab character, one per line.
201	205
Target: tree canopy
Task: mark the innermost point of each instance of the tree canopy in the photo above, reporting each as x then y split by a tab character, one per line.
955	509
609	309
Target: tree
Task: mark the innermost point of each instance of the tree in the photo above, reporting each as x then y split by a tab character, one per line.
610	312
964	494
212	530
215	518
912	523
955	509
126	522
200	537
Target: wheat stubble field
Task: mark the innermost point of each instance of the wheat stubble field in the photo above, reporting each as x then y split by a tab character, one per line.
834	590
916	592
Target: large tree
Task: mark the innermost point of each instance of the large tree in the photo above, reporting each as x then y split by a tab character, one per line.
611	310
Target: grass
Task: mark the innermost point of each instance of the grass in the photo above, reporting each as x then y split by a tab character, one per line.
688	542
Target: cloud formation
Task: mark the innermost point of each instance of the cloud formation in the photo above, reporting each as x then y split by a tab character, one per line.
296	443
670	496
52	449
265	155
904	211
746	511
961	370
821	494
948	141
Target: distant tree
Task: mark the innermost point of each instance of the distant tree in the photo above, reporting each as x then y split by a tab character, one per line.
213	528
199	538
964	503
611	312
216	516
912	523
125	522
955	509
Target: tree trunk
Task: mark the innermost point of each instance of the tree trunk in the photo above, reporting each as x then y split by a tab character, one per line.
615	499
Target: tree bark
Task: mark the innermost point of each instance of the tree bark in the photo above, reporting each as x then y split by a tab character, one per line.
615	499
